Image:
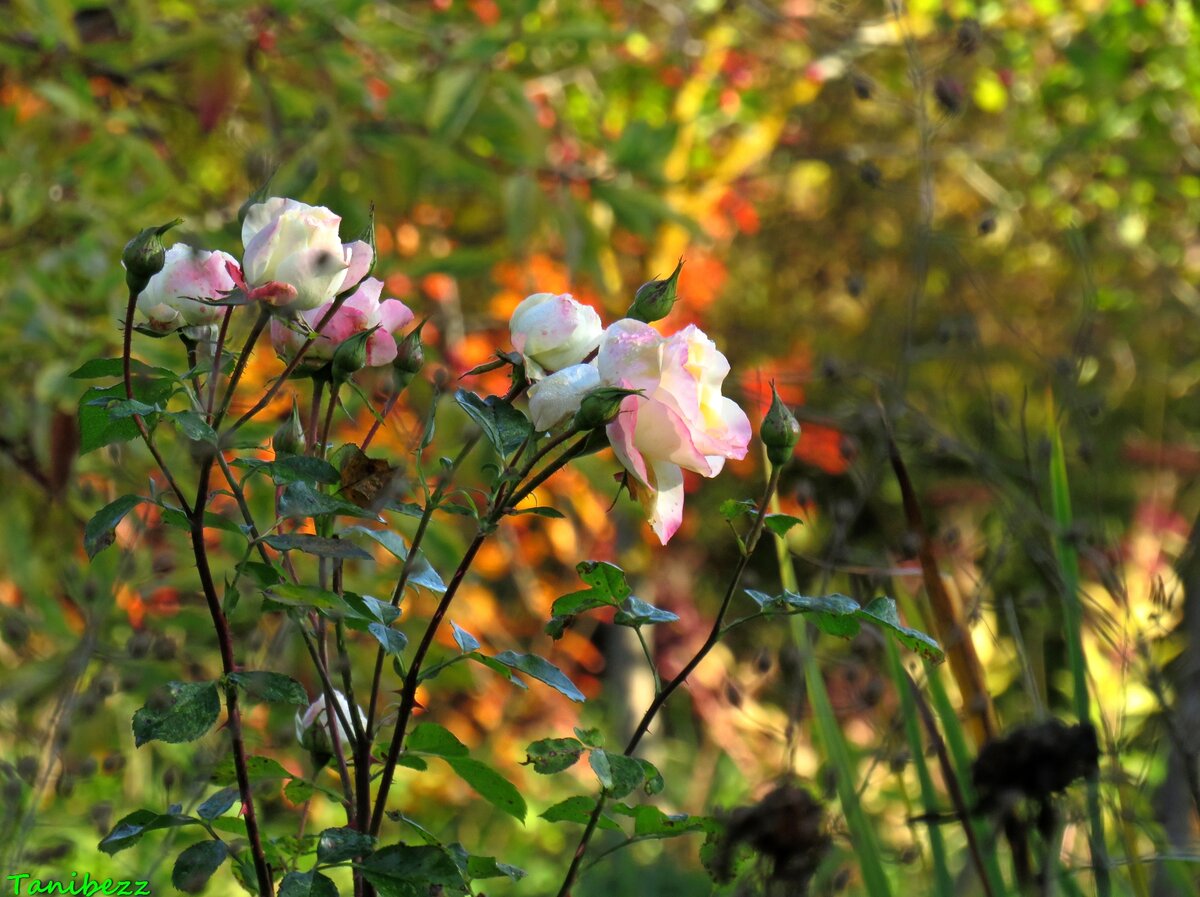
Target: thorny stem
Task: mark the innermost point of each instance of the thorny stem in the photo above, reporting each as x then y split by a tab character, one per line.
216	368
413	677
225	641
147	437
665	693
239	368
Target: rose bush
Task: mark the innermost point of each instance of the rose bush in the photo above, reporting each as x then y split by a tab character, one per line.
361	312
174	297
553	331
294	256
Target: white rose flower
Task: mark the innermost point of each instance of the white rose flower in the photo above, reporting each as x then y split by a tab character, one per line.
558	397
296	246
553	331
312	729
174	297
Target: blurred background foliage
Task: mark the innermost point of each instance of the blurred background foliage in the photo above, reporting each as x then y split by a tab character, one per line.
965	221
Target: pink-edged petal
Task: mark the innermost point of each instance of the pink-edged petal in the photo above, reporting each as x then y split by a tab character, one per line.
663	500
663	433
359	256
394	315
234	270
631	351
381	349
621	437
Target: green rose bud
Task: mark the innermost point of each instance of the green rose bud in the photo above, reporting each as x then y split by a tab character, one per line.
289	438
350	356
600	407
780	431
145	255
653	301
410	352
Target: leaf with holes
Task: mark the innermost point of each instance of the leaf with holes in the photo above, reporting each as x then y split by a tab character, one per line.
194	708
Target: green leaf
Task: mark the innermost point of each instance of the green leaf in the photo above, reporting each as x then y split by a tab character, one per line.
430	738
300	500
493	787
591	737
551	755
542	670
654	779
635	612
194	708
98	368
402	871
487	867
579	809
217	804
392	640
605	578
295	595
195	866
497	667
259	769
306	884
466	642
98	428
100	530
318	545
175	517
294	469
129	830
651	822
193	426
617	773
337	844
503	426
882	612
385	537
549	513
733	508
273	688
779	524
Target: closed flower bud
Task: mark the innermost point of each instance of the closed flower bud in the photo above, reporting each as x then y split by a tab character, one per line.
653	301
350	356
289	437
780	431
145	255
410	352
312	729
601	406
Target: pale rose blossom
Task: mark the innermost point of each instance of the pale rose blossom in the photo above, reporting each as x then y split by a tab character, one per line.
361	311
681	421
174	297
295	249
553	331
558	396
312	729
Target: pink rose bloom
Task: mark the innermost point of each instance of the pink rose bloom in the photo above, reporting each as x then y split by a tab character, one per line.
174	297
294	256
681	421
553	331
359	312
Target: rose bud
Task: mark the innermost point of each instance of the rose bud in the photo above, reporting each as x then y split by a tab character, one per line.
600	407
289	437
779	431
312	729
653	301
144	256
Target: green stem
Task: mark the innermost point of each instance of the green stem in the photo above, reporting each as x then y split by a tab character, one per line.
664	693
